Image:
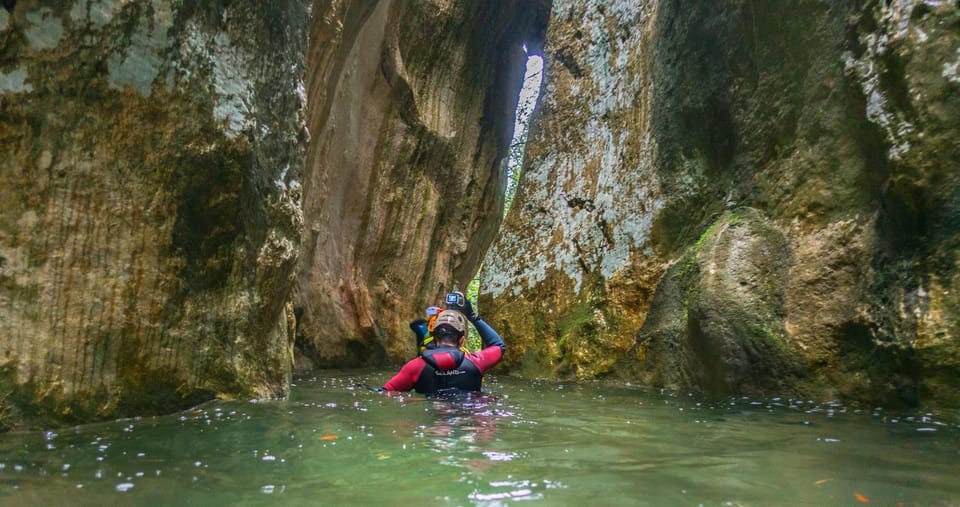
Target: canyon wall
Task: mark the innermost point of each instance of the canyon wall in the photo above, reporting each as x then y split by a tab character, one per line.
732	197
150	221
411	116
741	198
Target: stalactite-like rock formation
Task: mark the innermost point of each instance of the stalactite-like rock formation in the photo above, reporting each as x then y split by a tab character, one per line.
150	222
741	197
411	116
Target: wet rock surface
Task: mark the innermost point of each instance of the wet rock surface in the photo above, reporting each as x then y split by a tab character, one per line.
151	158
411	117
836	125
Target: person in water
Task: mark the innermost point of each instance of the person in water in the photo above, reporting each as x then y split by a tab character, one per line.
423	329
446	366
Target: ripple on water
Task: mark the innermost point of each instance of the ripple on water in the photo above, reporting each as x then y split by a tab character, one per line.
591	441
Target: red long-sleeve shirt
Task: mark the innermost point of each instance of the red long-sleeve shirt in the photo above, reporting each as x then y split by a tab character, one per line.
405	379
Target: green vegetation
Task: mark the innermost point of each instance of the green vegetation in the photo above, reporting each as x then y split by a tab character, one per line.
473	289
9	415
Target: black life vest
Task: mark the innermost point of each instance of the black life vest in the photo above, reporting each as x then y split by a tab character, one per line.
447	367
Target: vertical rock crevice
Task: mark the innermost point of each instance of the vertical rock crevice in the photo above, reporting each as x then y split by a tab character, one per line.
404	186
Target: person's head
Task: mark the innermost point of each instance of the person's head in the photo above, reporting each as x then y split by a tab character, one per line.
450	327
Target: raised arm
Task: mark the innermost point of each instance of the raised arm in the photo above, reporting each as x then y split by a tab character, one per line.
488	335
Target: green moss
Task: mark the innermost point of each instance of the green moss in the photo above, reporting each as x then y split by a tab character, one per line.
9	413
27	406
575	318
687	266
156	391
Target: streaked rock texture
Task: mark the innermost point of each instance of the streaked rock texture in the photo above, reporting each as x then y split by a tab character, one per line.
741	197
150	223
411	117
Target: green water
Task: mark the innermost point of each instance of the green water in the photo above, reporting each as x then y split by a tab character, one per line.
535	443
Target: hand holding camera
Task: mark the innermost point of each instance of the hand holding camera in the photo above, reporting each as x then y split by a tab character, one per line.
457	301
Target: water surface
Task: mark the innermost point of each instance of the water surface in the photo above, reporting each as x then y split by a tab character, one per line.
336	443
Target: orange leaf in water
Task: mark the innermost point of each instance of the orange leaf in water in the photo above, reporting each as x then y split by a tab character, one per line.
328	437
860	498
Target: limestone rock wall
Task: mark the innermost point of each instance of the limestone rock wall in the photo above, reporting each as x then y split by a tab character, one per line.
150	158
741	197
411	108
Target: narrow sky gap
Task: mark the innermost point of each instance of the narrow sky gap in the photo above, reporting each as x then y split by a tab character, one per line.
528	100
525	105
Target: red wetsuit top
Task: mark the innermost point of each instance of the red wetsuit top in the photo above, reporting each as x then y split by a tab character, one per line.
485	359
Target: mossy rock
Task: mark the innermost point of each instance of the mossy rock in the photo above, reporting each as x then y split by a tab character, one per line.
716	323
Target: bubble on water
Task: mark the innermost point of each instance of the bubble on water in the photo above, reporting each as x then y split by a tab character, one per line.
926	430
123	487
500	456
524	494
66	466
267	457
268	489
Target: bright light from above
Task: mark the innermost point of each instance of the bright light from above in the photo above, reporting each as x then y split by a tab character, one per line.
528	95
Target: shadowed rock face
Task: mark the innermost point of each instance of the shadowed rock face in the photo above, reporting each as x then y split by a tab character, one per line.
150	221
411	117
741	197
